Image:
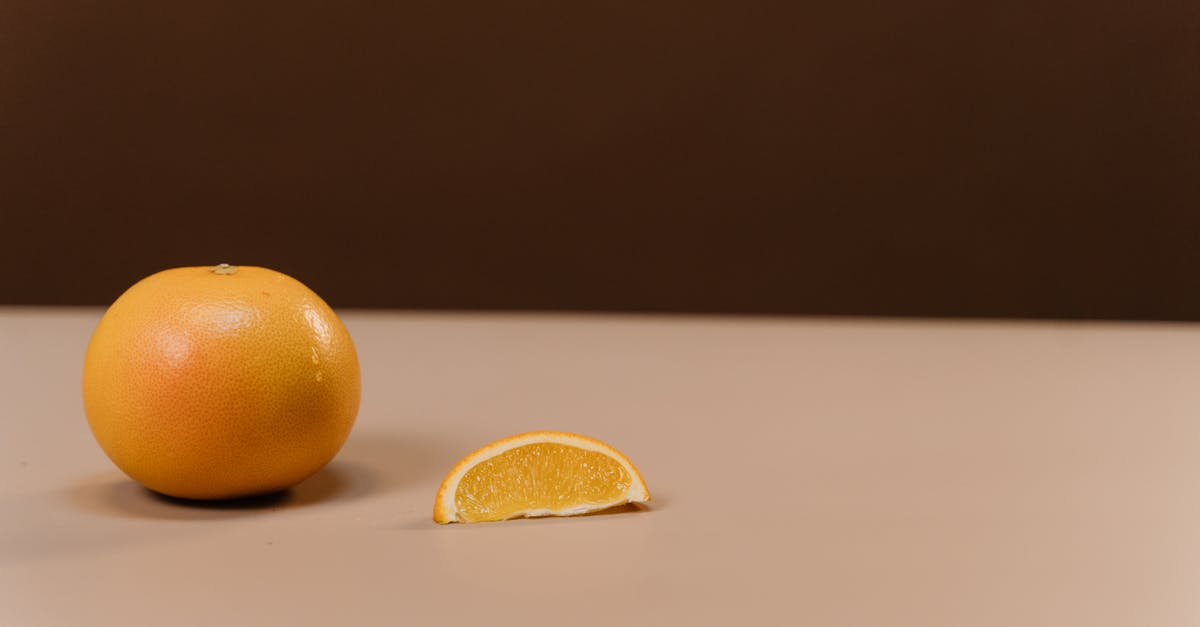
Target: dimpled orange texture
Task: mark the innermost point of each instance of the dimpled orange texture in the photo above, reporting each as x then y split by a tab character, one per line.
220	382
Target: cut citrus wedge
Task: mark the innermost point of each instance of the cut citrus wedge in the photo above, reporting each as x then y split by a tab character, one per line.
541	473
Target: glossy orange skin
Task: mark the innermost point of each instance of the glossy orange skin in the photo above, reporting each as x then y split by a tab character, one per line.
205	385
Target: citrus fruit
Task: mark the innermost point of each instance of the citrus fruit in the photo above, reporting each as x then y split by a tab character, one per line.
541	473
220	382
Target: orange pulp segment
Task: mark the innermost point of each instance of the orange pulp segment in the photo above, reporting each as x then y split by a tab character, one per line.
542	473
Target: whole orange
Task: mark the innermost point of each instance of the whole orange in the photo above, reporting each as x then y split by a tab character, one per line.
220	382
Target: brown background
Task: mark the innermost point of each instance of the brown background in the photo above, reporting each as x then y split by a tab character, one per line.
919	158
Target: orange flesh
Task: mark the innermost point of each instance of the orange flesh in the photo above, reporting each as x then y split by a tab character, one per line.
540	479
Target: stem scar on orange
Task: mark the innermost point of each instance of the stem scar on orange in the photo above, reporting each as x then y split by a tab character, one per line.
220	382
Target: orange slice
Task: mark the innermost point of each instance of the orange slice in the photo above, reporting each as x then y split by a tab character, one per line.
541	473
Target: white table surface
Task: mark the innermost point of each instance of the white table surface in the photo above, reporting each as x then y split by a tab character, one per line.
804	472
